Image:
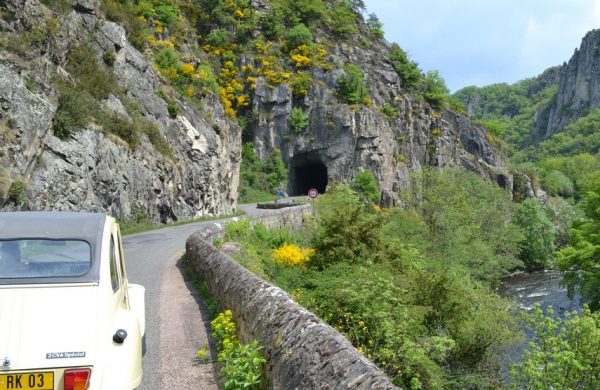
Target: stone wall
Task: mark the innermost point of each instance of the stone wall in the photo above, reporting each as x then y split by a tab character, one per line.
302	351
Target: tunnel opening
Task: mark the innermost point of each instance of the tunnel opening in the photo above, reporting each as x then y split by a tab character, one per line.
307	173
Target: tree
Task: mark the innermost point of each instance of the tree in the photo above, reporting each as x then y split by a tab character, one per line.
564	354
436	91
536	249
299	35
580	261
351	87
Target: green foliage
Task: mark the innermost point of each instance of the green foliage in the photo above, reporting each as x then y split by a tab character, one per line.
125	14
167	58
537	248
345	232
241	364
218	37
299	120
408	71
167	13
299	35
90	76
73	111
436	93
467	222
427	324
172	107
109	57
375	26
390	111
580	261
16	192
351	87
259	180
342	19
366	186
564	354
557	183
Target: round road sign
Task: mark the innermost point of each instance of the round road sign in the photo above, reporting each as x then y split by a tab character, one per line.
312	193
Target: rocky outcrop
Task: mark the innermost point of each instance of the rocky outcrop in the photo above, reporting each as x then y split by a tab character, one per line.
341	140
93	170
579	89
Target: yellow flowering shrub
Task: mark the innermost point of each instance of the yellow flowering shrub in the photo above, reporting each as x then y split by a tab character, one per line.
187	69
293	255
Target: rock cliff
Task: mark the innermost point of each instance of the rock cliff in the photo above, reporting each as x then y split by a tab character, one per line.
145	148
578	91
341	140
196	173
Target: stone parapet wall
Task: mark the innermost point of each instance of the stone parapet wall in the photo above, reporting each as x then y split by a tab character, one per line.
302	351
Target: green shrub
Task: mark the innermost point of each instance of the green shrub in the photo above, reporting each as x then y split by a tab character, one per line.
96	80
390	111
167	13
299	120
109	57
375	26
16	192
366	185
207	79
167	58
241	364
218	38
408	70
299	35
557	183
563	354
300	84
436	93
259	180
342	19
351	87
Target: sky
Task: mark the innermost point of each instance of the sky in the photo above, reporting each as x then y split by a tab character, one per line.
481	42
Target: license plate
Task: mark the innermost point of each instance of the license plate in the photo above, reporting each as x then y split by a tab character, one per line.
27	381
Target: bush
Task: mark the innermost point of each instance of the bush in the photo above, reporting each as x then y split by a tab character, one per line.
109	57
92	78
366	185
16	192
218	38
563	354
241	364
351	87
390	111
299	35
345	233
292	255
299	120
167	58
408	70
436	93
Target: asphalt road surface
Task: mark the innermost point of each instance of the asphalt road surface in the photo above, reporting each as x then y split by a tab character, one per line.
176	319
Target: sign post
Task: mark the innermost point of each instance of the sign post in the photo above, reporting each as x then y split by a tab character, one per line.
312	195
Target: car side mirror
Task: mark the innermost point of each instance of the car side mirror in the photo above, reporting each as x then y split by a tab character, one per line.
120	336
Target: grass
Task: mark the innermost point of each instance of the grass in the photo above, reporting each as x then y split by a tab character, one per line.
131	227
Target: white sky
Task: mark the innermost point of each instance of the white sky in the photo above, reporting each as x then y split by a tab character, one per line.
480	42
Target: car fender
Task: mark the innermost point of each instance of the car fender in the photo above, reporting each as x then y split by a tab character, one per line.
137	304
124	361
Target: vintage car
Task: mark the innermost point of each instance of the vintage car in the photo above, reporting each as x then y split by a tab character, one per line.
69	319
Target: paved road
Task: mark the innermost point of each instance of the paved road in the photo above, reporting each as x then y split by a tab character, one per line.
176	319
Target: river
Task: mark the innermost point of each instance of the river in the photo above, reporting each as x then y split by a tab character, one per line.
542	288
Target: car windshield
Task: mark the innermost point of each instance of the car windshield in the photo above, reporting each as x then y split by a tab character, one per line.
37	258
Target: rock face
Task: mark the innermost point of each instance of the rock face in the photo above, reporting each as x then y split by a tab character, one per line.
579	89
342	140
95	171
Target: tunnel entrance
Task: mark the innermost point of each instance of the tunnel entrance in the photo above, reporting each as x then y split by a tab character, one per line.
306	173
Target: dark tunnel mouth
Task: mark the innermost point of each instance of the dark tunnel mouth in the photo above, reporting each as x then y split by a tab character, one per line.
306	173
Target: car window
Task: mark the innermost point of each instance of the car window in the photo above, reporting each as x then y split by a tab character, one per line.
37	258
114	276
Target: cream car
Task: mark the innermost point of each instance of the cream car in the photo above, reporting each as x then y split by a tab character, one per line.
69	319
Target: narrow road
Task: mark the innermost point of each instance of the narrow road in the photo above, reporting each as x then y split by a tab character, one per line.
176	318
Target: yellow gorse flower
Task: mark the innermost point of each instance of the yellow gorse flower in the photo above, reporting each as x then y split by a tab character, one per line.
293	255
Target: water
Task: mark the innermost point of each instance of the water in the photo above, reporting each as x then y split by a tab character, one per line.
542	288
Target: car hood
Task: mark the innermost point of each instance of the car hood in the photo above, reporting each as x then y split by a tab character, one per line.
48	326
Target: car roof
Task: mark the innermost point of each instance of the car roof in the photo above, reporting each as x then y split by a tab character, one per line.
55	225
52	225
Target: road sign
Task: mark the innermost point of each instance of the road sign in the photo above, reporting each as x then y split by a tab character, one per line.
313	193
